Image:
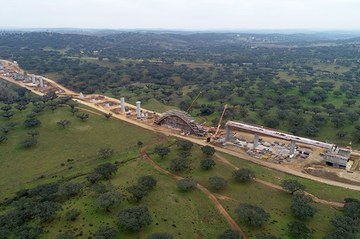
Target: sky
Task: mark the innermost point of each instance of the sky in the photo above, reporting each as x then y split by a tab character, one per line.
182	14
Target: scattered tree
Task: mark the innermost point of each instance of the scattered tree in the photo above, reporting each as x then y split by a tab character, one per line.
299	230
147	181
186	184
207	163
63	123
33	133
292	185
134	218
160	235
252	214
105	153
3	138
106	170
162	151
300	207
243	175
28	142
107	200
69	189
266	236
184	144
106	232
32	122
137	192
208	150
83	116
217	183
230	234
178	164
72	215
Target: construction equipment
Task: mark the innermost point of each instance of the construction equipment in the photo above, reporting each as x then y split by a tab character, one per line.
218	127
192	103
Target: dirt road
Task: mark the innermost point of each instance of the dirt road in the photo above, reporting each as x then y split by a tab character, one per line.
199	141
277	187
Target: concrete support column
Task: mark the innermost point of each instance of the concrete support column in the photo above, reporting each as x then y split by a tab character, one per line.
122	104
256	140
292	147
41	82
138	109
227	133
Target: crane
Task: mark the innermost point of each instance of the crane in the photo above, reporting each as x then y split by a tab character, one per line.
221	117
192	103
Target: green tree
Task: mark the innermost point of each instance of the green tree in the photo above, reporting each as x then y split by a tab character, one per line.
160	235
299	230
147	181
207	163
63	123
134	218
83	116
208	150
72	215
137	192
162	151
217	183
243	175
266	236
106	232
292	185
105	153
186	184
32	122
28	143
106	170
184	144
69	189
252	214
107	200
178	164
300	207
3	138
352	208
230	234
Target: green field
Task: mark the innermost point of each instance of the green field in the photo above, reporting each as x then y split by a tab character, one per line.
70	154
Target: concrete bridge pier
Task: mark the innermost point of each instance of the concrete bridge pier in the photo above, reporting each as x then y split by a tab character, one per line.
292	147
227	133
256	140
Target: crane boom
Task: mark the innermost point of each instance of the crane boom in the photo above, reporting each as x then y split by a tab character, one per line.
222	115
192	103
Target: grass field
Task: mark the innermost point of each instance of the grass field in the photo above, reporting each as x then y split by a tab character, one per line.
79	142
71	153
275	202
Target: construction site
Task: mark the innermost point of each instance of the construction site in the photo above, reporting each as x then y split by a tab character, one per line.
303	154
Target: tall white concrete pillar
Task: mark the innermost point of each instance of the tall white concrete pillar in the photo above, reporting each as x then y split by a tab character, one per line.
292	147
122	104
42	82
256	140
227	133
33	78
138	109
